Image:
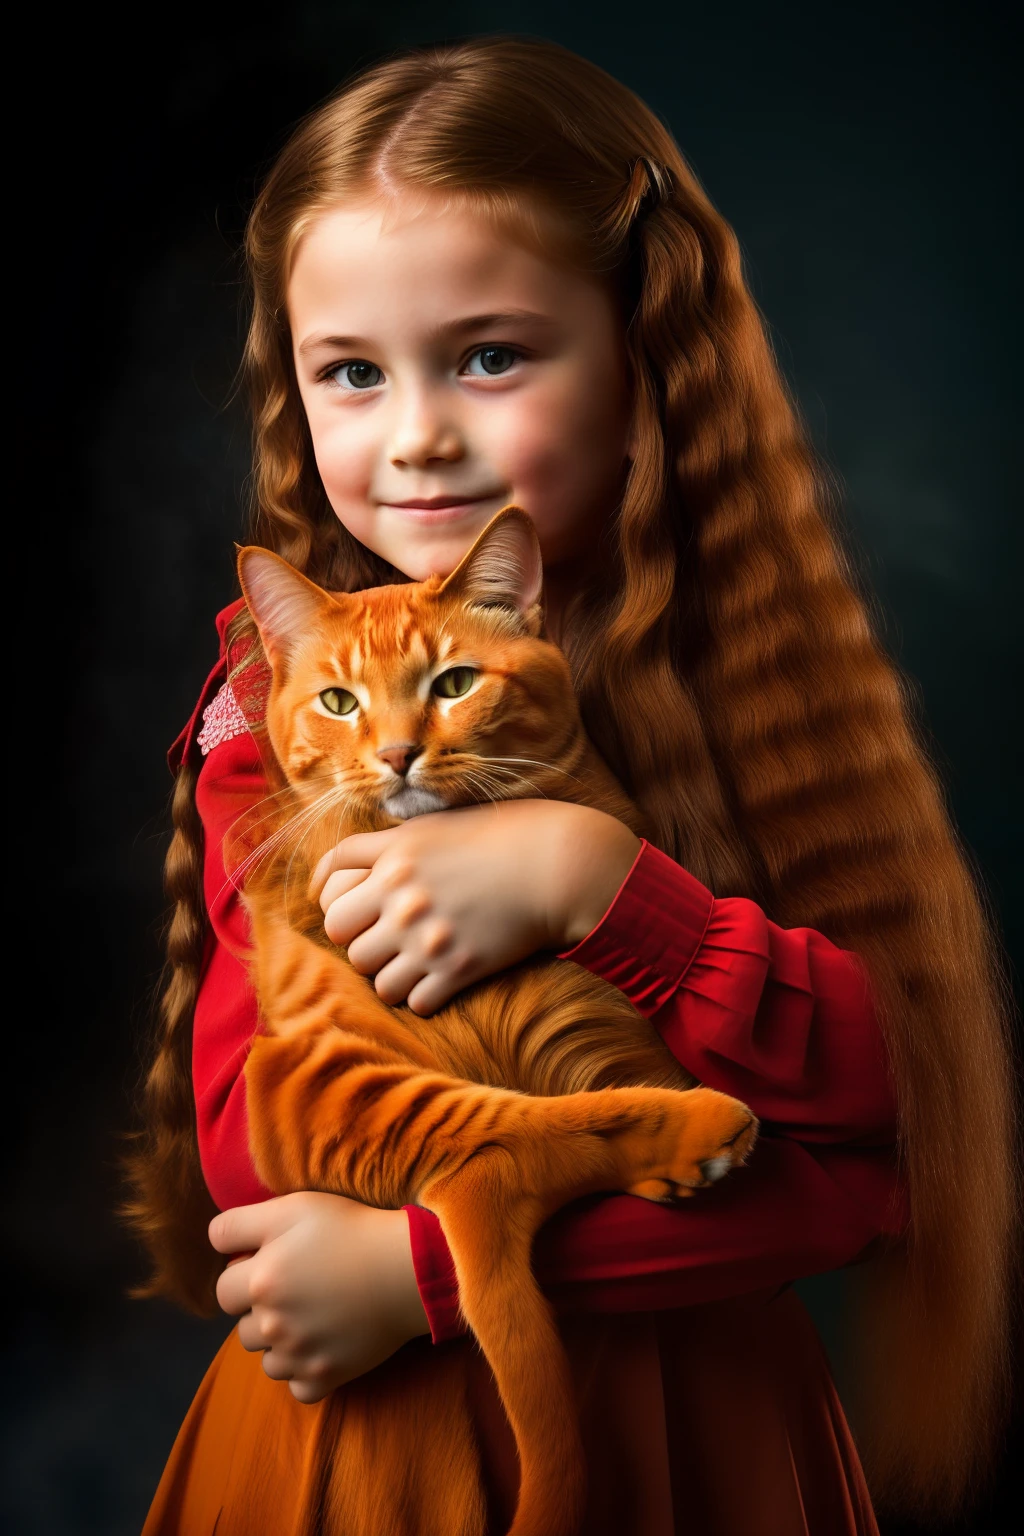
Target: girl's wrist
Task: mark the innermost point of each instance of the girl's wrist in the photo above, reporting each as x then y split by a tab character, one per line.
596	853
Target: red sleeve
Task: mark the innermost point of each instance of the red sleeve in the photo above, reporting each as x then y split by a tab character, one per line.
777	1017
226	1018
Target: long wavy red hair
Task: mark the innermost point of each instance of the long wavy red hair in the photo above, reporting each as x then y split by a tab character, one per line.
776	757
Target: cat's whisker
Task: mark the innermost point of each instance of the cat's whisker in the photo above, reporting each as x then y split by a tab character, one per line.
490	790
267	800
342	797
477	783
516	778
308	819
508	779
493	764
536	763
308	815
500	768
288	826
498	765
257	857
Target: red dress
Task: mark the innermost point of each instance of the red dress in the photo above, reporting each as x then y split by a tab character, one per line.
708	1404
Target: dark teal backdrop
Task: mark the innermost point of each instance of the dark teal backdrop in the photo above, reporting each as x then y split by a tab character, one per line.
860	151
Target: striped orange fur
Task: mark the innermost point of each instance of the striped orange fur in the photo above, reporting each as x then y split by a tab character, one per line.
526	1091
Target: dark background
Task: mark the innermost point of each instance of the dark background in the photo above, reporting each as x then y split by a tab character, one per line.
862	154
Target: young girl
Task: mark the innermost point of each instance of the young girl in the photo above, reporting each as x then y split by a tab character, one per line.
482	275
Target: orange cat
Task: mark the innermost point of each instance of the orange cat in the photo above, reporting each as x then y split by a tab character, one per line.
526	1091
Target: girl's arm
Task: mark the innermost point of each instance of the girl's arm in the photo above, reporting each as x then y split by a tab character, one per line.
780	1019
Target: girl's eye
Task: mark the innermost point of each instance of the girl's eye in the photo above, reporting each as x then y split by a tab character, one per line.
453	683
487	361
358	375
338	700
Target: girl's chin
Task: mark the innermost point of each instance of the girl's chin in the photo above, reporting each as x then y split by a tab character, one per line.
421	569
421	556
418	549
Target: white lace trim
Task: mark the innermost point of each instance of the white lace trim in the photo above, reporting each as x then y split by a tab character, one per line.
222	720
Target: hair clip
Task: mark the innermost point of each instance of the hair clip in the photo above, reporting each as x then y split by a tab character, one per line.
650	187
659	180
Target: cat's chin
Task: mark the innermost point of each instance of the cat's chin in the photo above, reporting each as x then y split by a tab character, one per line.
410	801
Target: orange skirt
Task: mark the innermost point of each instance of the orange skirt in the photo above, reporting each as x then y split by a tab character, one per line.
711	1421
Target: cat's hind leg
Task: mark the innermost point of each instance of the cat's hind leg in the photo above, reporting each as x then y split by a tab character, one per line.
523	1158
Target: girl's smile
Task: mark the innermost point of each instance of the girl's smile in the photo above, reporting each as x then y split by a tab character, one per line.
447	368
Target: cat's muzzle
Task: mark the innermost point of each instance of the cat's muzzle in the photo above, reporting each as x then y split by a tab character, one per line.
411	801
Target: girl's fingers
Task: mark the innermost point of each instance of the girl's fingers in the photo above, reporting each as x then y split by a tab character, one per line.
245	1228
394	982
233	1290
349	915
277	1366
361	851
339	884
307	1391
250	1335
436	987
369	952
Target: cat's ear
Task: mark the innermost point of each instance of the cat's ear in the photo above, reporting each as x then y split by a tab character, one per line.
285	605
503	569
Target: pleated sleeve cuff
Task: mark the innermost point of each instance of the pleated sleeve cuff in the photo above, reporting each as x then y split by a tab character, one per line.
648	938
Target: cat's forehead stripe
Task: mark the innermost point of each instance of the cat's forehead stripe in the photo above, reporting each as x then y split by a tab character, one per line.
417	650
388	626
380	626
406	633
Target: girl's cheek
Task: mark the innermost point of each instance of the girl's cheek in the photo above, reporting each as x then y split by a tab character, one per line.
526	443
345	461
547	462
576	418
568	474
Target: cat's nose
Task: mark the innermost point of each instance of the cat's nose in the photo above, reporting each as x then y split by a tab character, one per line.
400	758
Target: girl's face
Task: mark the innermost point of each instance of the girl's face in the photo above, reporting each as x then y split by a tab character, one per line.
447	370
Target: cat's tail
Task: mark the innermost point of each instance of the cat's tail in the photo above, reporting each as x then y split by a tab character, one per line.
654	1142
515	1327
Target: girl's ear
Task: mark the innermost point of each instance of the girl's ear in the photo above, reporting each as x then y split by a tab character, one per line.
285	604
503	569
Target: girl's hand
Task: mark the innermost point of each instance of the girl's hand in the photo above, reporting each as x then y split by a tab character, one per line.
329	1291
435	904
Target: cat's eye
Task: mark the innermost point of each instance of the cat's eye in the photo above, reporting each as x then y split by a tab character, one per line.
338	701
453	683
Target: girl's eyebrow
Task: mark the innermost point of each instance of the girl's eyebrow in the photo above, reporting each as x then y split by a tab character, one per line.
449	328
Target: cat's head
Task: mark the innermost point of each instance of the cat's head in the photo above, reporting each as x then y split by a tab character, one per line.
399	700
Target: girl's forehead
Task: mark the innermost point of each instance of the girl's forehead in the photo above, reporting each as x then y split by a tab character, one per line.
407	213
422	247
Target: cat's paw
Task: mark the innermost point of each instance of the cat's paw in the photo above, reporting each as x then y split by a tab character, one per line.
699	1139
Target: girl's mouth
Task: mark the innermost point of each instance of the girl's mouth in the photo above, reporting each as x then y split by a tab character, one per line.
439	509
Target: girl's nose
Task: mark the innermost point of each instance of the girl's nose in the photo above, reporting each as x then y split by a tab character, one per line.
424	433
